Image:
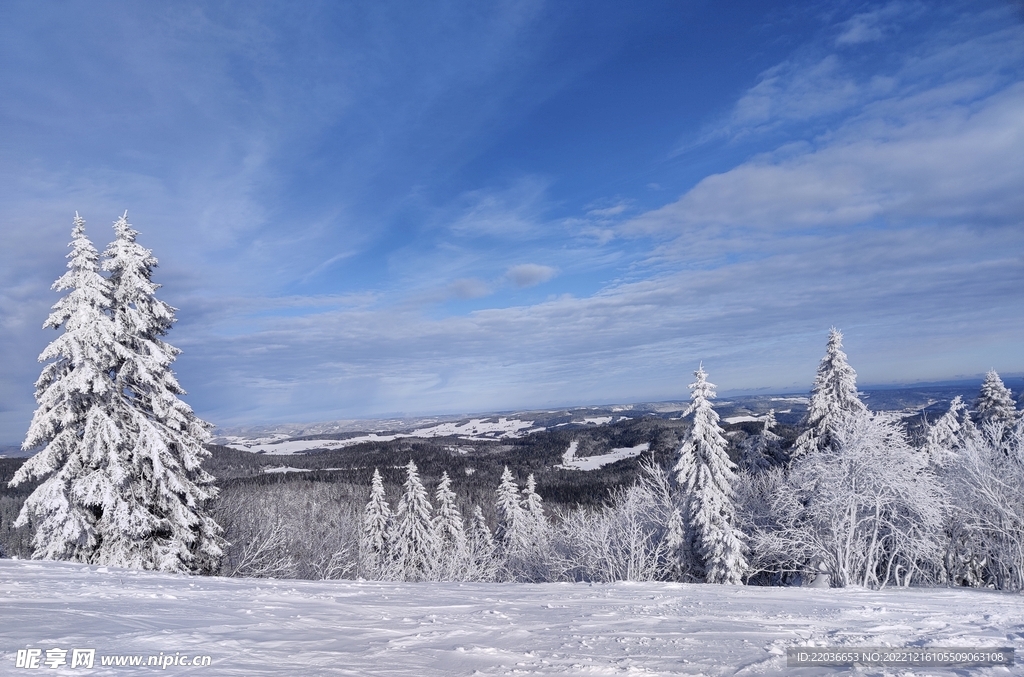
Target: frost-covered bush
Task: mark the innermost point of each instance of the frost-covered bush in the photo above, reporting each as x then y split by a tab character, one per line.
308	530
869	508
983	473
625	540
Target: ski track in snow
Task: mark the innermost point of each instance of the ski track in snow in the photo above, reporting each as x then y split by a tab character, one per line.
283	627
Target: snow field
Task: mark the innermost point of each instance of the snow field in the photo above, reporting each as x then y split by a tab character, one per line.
474	429
570	462
257	627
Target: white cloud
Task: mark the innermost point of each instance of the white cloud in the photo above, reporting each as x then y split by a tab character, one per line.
529	274
513	213
469	288
949	153
874	25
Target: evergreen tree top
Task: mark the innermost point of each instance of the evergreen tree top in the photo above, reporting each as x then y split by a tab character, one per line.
834	397
702	392
995	401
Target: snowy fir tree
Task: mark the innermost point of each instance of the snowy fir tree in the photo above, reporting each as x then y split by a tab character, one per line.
706	477
413	546
763	450
677	546
482	565
155	519
995	403
949	433
74	422
128	488
449	531
833	398
376	526
480	534
512	531
533	508
448	523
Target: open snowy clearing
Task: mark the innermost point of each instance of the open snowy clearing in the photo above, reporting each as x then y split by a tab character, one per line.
284	627
570	462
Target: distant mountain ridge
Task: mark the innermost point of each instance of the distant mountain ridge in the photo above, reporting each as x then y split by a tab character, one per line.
931	399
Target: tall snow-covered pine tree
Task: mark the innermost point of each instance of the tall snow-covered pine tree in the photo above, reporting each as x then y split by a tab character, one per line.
157	520
706	476
513	522
449	531
376	526
413	544
73	423
833	398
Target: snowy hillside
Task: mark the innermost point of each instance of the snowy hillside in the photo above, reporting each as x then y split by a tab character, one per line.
274	627
472	430
286	439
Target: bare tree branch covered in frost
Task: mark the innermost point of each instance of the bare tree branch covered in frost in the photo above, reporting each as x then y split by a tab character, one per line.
629	538
121	452
984	476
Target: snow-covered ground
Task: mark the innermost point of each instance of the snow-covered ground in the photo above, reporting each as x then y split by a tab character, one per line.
286	469
283	627
472	430
741	419
570	462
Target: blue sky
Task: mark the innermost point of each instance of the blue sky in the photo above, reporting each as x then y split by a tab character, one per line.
381	207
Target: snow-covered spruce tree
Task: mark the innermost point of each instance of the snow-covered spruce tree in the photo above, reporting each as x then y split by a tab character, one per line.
153	515
706	476
413	546
512	519
533	506
763	450
376	527
676	546
73	423
449	532
949	433
833	398
481	561
522	548
995	402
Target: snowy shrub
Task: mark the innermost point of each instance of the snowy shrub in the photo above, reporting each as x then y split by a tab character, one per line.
869	508
308	530
625	540
984	476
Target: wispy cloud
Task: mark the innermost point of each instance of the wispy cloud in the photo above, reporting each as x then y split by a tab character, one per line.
512	213
876	24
